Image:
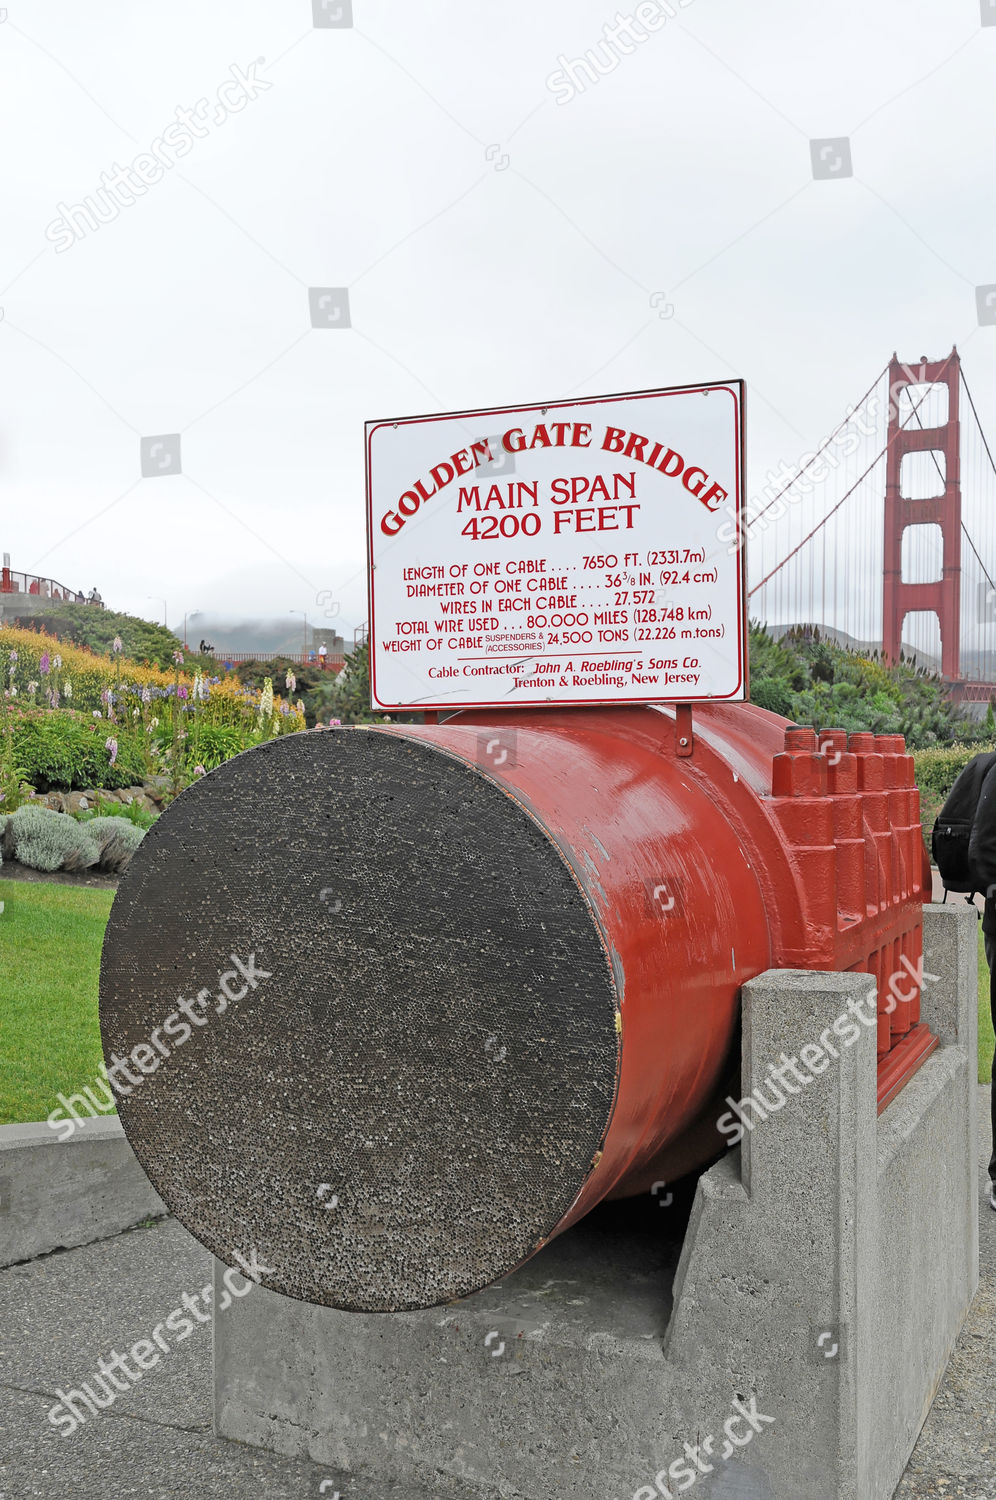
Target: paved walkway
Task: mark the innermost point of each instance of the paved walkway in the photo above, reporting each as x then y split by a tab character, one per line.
60	1313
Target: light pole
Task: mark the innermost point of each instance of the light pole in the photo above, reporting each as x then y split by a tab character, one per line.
159	601
304	656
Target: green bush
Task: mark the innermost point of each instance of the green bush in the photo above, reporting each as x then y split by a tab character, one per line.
132	812
813	681
45	840
774	694
935	770
66	750
211	744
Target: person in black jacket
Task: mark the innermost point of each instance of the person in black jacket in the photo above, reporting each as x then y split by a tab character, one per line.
982	862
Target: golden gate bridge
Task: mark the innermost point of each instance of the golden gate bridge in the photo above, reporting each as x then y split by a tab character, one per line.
912	576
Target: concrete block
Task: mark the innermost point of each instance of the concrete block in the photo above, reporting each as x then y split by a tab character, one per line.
58	1194
826	1267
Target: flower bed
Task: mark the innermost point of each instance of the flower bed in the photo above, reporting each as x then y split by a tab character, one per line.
69	719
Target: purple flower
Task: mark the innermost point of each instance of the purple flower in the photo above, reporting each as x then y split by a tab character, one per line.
44	664
117	644
111	744
199	771
182	691
335	723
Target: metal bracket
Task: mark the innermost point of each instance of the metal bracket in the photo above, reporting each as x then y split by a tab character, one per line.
683	734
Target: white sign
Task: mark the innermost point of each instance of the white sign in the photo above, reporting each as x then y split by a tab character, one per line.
581	552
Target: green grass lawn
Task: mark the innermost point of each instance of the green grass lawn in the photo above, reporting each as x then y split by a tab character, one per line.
50	937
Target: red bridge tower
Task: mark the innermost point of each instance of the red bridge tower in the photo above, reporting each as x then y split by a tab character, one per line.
943	596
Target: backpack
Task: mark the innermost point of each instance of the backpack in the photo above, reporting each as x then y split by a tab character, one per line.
953	825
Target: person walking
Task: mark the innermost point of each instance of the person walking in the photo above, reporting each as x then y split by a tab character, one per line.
982	863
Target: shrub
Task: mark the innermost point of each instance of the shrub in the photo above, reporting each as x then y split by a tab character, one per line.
62	750
216	743
935	770
132	812
774	694
815	681
46	840
95	630
117	840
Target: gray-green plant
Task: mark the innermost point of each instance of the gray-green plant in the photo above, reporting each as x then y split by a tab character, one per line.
117	840
46	840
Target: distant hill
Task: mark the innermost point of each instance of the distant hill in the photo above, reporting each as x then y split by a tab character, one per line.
84	625
262	638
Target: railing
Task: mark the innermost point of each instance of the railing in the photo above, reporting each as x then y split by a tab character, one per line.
328	663
12	582
968	691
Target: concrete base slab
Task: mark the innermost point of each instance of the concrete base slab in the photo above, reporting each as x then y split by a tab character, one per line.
57	1194
791	1354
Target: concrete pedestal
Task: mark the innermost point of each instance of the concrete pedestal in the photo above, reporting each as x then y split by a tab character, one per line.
55	1194
785	1342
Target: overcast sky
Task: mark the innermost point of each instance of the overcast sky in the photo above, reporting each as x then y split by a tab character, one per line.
505	236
